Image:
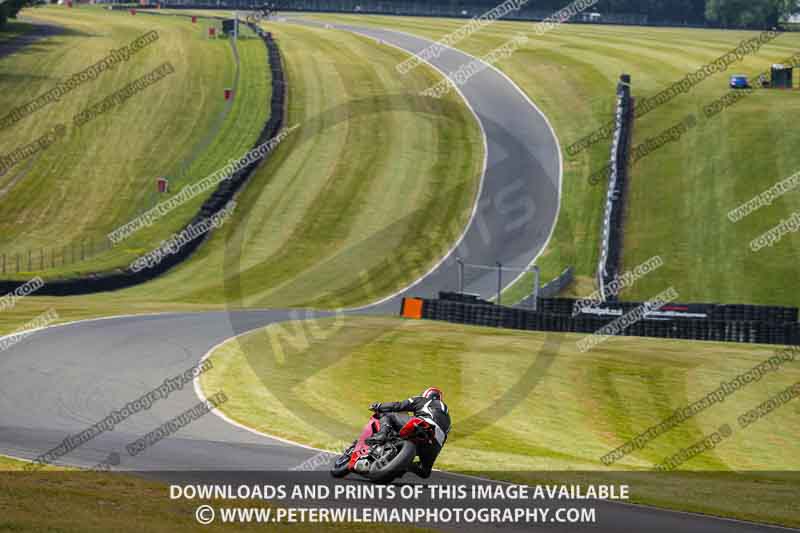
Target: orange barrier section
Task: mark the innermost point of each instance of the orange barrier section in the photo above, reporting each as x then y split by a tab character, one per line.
412	308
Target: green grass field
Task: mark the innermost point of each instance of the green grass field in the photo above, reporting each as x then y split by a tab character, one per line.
102	175
525	403
80	502
679	195
371	168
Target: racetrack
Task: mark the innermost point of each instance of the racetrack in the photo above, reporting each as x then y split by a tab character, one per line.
520	192
63	379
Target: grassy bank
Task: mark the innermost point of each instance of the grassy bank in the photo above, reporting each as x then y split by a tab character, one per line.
79	502
103	174
679	195
524	403
372	173
374	176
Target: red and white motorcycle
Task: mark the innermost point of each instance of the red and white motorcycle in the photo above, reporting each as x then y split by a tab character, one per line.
385	461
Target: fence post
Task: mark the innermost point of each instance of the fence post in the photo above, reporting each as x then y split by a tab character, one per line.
41	258
460	275
29	259
499	281
83	252
536	280
17	261
4	263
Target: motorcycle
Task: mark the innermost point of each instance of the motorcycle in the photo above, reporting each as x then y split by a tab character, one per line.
385	461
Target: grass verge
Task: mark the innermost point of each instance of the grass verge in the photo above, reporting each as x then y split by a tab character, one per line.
373	173
103	174
679	195
526	404
71	501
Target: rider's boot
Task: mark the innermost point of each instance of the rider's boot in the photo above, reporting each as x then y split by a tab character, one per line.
380	436
416	468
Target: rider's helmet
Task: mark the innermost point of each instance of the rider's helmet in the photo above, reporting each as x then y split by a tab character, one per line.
432	393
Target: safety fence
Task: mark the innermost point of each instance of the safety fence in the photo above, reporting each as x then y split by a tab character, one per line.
611	232
42	258
701	311
89	246
558	284
527	10
481	313
551	288
224	192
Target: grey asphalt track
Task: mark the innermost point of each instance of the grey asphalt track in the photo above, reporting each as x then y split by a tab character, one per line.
519	198
64	379
61	380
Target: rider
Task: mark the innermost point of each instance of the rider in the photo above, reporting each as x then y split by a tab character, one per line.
427	406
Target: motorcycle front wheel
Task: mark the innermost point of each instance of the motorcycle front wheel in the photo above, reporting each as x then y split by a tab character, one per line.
339	468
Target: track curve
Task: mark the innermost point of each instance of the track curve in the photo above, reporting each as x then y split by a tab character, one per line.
63	379
519	197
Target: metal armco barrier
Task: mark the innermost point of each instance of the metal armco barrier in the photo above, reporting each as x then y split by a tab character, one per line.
222	195
556	285
743	331
549	289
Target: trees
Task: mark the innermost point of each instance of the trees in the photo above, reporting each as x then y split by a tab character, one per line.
749	13
3	16
656	9
10	8
14	6
728	13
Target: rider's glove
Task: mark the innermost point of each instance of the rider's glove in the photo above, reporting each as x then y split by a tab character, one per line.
375	406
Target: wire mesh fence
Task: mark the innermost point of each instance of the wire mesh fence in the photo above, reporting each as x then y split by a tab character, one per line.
488	279
44	258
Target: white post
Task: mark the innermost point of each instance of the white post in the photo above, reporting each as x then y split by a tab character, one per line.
499	282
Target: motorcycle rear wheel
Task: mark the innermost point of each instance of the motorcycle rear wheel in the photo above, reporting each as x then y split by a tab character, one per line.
397	466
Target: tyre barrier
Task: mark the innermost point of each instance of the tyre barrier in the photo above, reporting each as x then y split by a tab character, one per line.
696	311
611	236
495	316
463	297
225	191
